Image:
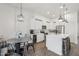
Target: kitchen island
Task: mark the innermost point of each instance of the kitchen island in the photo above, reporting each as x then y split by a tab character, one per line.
58	43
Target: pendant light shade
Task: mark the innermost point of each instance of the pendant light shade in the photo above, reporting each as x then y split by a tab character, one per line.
20	16
65	21
60	18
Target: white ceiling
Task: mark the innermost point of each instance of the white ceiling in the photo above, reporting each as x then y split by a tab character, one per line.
50	10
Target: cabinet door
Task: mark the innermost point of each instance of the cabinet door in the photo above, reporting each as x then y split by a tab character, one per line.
60	29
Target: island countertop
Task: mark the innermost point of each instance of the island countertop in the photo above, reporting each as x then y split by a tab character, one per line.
58	35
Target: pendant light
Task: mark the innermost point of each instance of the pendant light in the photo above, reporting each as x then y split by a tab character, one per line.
20	16
62	18
65	17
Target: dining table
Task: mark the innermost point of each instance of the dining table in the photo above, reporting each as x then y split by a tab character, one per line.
13	42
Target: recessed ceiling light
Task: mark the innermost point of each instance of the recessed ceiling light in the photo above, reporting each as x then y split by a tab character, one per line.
48	12
61	7
53	15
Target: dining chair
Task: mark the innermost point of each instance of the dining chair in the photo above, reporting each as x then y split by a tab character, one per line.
31	42
19	48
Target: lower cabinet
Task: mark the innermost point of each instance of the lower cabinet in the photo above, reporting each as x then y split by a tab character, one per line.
40	37
34	38
66	46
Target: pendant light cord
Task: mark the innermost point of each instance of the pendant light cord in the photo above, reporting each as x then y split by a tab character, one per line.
66	13
21	8
63	11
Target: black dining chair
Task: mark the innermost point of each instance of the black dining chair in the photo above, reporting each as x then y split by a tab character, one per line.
10	49
31	42
19	48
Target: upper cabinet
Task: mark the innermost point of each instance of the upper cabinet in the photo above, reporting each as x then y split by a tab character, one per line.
38	21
